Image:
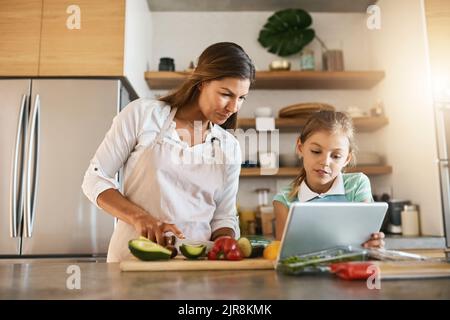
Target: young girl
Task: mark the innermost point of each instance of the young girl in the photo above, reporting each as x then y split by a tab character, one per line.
326	145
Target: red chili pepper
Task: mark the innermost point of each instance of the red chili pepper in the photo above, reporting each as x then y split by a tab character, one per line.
352	270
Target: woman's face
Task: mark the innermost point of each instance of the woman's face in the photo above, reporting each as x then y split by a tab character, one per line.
219	99
324	155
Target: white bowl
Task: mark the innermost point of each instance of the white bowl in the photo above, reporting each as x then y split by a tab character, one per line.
263	112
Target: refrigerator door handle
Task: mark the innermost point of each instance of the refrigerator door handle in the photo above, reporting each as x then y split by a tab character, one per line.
445	190
16	199
440	130
31	176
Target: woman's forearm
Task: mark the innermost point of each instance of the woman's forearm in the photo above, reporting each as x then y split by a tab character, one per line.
113	202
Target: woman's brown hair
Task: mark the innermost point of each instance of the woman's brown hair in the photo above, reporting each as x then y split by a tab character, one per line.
331	122
220	60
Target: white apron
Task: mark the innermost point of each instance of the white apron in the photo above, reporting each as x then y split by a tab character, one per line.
172	190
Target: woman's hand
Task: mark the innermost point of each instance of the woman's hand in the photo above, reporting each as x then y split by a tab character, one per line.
154	229
375	241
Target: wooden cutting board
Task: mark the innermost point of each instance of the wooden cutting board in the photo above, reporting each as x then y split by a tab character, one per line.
413	269
181	264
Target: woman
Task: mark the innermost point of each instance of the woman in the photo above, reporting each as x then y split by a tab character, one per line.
181	166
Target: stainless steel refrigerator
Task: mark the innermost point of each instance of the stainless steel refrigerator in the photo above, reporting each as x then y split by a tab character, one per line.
49	130
442	111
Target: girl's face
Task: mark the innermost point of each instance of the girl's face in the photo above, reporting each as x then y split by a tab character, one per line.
219	99
324	155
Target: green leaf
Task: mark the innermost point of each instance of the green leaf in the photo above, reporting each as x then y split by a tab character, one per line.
286	32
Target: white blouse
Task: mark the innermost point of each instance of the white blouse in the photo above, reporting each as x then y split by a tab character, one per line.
134	129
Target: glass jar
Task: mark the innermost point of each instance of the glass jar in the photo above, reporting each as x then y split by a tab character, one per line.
410	220
307	61
166	64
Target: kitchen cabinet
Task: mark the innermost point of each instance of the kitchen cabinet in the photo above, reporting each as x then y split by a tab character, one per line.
39	38
438	27
20	27
97	48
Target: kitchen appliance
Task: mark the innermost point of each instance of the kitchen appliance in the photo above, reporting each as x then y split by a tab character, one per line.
392	223
49	131
442	113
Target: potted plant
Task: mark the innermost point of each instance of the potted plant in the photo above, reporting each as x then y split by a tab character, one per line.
287	32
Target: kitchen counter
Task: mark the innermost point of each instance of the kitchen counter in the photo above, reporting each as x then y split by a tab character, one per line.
423	242
99	280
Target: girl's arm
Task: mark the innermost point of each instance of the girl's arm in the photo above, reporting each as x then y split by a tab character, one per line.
281	213
376	239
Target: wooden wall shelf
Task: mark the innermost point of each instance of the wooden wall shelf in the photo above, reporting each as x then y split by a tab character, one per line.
162	80
362	124
292	172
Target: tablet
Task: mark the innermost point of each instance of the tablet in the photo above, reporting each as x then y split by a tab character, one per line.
315	226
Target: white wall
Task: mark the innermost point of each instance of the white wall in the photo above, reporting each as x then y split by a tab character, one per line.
138	44
399	49
184	35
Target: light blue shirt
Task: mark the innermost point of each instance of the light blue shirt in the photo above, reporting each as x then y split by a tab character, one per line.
347	187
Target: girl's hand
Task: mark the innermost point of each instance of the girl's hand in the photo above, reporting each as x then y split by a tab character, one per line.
375	241
153	229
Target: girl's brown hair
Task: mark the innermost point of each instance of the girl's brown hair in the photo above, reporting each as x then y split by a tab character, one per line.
331	122
220	60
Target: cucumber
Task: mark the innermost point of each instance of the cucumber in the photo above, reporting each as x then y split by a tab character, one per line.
258	240
252	248
147	250
193	251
